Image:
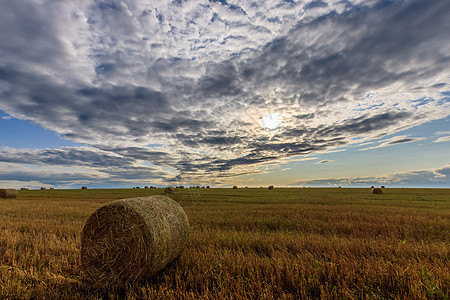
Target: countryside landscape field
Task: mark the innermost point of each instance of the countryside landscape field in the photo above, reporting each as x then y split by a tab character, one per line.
296	243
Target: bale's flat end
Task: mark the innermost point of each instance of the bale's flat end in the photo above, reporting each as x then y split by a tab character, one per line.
8	193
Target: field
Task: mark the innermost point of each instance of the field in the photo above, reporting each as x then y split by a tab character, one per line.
245	244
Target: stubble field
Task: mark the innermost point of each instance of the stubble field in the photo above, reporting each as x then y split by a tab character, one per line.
302	243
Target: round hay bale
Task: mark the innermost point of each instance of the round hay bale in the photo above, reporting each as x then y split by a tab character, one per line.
84	187
169	190
24	189
234	187
270	187
377	191
382	186
43	188
129	240
8	193
372	187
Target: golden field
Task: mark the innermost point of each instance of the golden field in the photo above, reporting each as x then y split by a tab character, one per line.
296	243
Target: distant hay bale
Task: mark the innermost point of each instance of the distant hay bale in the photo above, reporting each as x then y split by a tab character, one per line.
145	187
24	189
207	186
129	240
234	187
382	186
372	187
8	193
84	187
270	187
377	191
169	190
43	188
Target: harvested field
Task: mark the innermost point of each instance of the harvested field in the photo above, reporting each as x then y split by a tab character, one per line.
245	244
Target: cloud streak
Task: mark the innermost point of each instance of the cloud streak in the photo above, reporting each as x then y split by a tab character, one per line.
438	178
396	140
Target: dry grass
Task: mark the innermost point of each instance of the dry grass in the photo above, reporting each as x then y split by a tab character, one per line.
245	244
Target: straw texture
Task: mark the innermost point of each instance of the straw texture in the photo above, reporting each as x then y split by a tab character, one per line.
377	191
132	239
8	193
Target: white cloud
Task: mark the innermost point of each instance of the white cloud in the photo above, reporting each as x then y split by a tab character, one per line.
442	139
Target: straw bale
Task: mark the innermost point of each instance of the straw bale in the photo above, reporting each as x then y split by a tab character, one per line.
8	193
169	190
234	187
270	187
84	187
377	191
130	240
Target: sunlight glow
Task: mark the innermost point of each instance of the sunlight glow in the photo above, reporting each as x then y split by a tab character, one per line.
271	121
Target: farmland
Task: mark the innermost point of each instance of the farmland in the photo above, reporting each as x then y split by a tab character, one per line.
245	244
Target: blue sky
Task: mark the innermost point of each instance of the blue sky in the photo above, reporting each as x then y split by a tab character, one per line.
112	93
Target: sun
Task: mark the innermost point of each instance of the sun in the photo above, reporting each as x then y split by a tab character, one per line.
271	121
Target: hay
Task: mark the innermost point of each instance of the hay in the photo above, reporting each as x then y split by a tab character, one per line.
382	186
84	187
169	190
8	193
43	188
377	191
129	240
234	187
270	187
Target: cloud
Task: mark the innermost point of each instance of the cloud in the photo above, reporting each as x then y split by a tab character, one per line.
324	161
442	139
70	167
195	76
439	177
396	140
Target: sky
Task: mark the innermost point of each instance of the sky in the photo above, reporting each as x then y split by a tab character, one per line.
124	93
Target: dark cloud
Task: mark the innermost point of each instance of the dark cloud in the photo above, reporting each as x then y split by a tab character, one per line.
365	124
324	161
64	157
401	141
